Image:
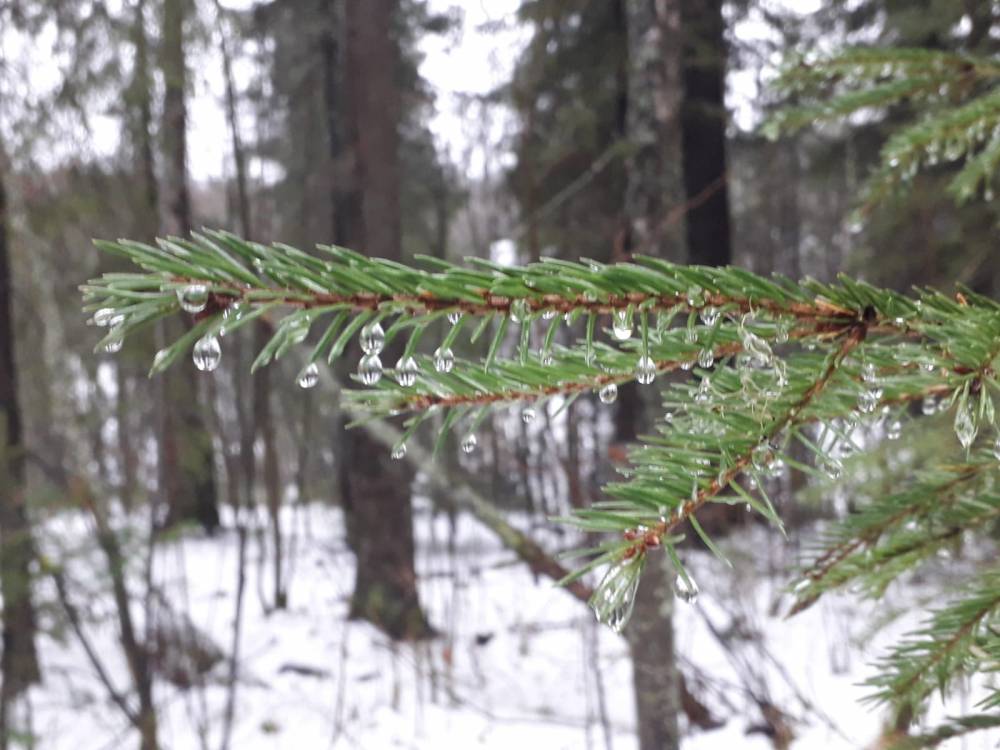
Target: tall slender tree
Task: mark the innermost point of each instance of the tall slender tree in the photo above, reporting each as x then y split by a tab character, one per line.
703	132
375	490
187	479
19	661
655	186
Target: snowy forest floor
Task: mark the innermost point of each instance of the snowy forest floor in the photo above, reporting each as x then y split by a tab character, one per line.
519	663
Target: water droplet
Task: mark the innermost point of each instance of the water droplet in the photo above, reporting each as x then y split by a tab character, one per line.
833	468
103	317
608	393
528	414
748	508
548	314
398	451
113	346
444	360
372	338
894	430
704	393
159	358
687	364
686	589
621	325
928	366
547	360
966	426
847	447
929	405
691	336
614	598
193	297
207	353
751	482
645	370
309	376
668	416
406	371
761	457
519	310
230	316
996	449
370	369
868	373
469	443
454	316
868	400
781	332
709	315
696	296
706	358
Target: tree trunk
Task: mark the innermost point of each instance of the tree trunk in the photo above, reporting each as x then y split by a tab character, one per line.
19	661
187	466
375	489
703	132
655	186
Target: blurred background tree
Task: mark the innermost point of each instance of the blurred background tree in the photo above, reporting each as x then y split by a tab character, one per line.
618	127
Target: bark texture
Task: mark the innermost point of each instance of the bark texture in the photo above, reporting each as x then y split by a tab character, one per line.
19	661
187	465
375	490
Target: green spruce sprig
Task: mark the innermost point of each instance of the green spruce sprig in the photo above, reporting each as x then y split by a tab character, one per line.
755	365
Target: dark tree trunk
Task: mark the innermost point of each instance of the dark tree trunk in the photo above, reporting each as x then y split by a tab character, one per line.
19	661
703	132
375	489
187	466
655	187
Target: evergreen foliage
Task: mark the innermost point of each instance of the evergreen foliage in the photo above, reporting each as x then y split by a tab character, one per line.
771	362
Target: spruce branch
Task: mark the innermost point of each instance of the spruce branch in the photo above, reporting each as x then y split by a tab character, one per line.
955	95
950	645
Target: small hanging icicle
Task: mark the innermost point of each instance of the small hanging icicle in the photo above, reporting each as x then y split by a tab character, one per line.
207	353
614	598
966	425
309	376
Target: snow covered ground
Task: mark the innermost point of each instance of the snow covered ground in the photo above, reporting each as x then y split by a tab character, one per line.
514	667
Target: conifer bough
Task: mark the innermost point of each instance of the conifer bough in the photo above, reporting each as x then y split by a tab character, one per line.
757	365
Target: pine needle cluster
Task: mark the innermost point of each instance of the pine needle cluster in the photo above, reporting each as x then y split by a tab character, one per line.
762	370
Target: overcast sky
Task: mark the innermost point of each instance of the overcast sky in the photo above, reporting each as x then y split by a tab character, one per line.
472	59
